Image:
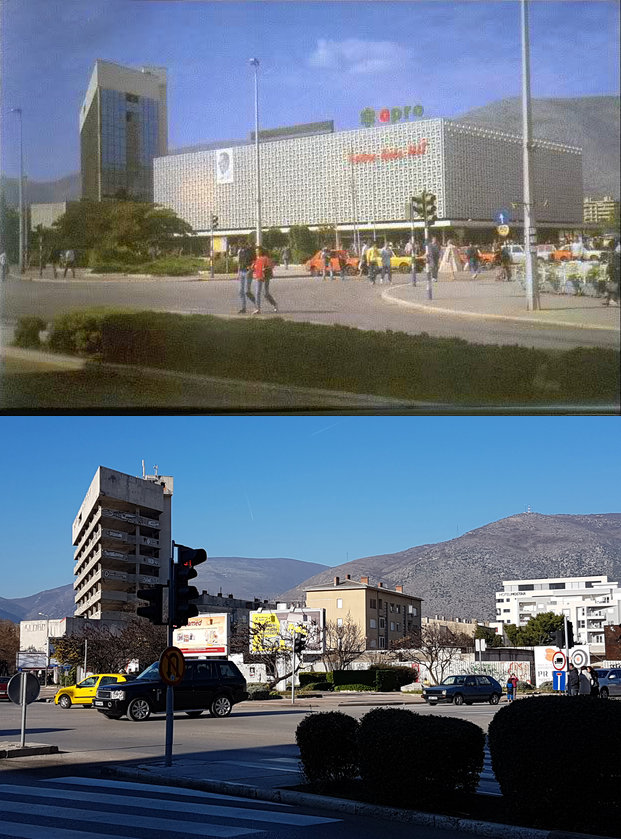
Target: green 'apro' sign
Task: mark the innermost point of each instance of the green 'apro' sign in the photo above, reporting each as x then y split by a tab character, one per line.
369	117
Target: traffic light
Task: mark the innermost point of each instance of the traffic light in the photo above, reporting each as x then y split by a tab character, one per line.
183	572
417	206
299	642
214	222
155	597
570	635
431	209
558	638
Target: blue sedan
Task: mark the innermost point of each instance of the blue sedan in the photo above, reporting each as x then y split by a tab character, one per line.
464	690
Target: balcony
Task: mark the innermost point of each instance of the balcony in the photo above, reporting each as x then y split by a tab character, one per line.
130	518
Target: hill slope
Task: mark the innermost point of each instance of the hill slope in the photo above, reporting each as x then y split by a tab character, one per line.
460	577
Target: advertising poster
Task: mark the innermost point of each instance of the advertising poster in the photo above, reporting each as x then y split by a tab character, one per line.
544	657
224	166
204	635
276	629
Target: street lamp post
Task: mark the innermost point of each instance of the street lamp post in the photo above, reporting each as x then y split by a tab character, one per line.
21	190
254	62
530	270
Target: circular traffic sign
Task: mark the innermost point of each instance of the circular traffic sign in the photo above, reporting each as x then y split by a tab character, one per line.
559	661
503	217
14	688
502	230
172	665
579	658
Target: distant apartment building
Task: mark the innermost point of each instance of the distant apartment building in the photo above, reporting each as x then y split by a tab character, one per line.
601	210
123	127
122	538
382	614
46	214
458	626
590	603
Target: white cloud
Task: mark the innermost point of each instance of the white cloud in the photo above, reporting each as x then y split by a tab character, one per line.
358	57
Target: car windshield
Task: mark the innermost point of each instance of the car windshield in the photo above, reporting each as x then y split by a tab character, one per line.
454	680
151	674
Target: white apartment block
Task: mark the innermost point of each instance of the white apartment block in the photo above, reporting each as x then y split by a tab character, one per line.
122	538
590	603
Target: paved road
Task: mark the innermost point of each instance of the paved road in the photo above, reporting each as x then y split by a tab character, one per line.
353	303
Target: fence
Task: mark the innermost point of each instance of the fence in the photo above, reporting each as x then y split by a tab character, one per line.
575	278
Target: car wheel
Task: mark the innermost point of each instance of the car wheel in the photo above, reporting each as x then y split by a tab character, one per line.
604	693
193	713
404	269
563	259
220	707
139	709
64	701
458	699
493	700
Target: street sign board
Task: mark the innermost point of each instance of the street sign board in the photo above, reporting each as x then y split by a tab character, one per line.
14	688
579	658
559	662
503	217
558	680
172	665
503	229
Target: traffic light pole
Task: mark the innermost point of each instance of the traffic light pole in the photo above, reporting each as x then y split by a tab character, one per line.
566	650
293	670
170	697
413	266
429	279
211	270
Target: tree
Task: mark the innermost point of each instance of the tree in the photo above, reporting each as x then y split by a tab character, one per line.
344	643
435	646
303	243
539	630
260	644
490	636
9	646
326	236
9	230
274	238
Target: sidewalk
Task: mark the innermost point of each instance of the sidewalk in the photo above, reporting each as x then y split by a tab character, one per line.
85	275
494	300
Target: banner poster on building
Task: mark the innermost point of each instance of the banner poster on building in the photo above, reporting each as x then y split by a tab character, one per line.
204	635
224	166
544	667
276	629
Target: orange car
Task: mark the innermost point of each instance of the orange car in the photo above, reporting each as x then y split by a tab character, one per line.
315	263
561	255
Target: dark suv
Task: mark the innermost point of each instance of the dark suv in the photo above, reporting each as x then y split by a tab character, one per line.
208	684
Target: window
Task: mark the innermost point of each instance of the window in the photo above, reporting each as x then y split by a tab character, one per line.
339	621
398	610
382	643
392	607
339	602
527	588
398	627
227	670
506	610
382	623
372	604
379	604
483	681
373	623
557	585
373	643
392	626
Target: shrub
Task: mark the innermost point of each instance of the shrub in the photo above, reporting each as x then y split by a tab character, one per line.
386	680
78	332
431	758
27	332
258	690
354	687
318	686
328	747
309	677
564	754
403	675
362	677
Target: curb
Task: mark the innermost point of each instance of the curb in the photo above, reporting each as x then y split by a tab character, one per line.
9	750
491	830
482	315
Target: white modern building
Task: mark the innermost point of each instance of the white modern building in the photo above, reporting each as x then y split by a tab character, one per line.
364	178
122	538
590	603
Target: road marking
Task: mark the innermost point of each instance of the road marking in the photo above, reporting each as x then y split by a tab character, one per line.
20	830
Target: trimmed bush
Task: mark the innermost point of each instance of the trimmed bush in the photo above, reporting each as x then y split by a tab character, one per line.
386	680
258	690
546	748
432	758
403	675
347	677
318	686
27	332
354	687
309	677
78	332
328	747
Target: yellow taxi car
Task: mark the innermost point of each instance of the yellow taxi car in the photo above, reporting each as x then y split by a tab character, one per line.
85	691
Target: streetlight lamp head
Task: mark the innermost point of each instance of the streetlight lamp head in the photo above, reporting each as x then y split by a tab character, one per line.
254	62
16	110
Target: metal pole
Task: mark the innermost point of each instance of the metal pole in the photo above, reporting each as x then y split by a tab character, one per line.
413	267
566	653
18	111
211	270
255	63
293	670
22	692
85	654
170	697
530	270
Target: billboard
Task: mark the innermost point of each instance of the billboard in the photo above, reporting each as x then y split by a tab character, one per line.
224	166
544	661
275	629
204	635
26	660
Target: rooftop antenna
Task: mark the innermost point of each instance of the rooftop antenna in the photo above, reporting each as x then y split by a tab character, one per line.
528	509
155	470
143	473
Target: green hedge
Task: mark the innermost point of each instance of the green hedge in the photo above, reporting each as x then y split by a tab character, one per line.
556	759
309	677
412	366
410	759
27	332
345	677
358	686
328	747
171	266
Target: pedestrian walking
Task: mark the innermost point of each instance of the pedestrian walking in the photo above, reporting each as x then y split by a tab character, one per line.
342	264
433	258
613	272
474	260
584	687
505	263
69	262
4	266
372	257
286	257
386	254
573	681
262	268
512	683
594	679
363	267
326	261
244	274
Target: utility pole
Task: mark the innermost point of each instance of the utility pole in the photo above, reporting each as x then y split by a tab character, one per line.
530	264
18	111
254	62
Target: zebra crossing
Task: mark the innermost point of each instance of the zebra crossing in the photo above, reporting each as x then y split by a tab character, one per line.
91	808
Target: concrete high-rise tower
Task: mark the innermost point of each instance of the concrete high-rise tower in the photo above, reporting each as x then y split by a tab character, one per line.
122	537
123	126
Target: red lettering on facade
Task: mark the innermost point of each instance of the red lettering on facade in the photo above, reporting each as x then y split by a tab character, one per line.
384	115
390	154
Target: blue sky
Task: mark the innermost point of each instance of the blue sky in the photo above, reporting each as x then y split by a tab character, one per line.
320	489
320	60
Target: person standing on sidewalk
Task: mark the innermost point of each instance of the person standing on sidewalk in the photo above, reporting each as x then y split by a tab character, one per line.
244	273
372	256
363	260
512	683
594	679
262	268
70	262
286	257
473	260
386	255
326	260
573	681
433	258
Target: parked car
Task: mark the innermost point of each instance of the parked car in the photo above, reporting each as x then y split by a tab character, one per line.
403	264
464	690
562	254
208	684
84	692
609	682
516	252
315	263
4	681
546	252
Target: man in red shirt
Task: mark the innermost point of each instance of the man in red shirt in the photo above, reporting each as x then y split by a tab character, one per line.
262	268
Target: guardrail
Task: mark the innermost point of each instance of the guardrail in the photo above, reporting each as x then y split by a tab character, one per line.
573	278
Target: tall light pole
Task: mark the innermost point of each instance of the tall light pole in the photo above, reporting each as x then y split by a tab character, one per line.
532	290
254	62
21	191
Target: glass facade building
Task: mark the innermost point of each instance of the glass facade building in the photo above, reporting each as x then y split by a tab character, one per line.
123	128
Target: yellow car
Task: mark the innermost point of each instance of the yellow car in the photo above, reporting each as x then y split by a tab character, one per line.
403	264
85	691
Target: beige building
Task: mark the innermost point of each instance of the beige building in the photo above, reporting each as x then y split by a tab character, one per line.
46	214
383	615
122	538
598	210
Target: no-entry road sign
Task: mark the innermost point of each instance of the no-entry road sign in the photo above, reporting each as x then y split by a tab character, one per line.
172	665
